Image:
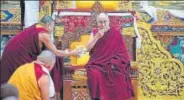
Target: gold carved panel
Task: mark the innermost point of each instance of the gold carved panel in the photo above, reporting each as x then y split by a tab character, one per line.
124	5
62	4
45	8
164	39
88	5
165	18
161	77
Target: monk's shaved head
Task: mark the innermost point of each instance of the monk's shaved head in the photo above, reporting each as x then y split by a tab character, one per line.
47	57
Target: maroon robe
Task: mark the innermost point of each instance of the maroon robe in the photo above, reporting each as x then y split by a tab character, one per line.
24	48
21	49
108	69
56	74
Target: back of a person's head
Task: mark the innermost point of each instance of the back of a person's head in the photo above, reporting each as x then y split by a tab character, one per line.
9	92
47	57
46	19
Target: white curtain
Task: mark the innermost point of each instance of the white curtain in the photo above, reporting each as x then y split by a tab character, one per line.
31	13
177	13
152	11
138	36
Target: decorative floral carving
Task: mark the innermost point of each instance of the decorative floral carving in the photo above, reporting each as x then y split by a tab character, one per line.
45	7
124	5
159	73
62	4
97	8
164	39
165	18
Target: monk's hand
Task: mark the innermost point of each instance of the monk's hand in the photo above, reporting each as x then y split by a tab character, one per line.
100	33
74	52
106	28
66	52
71	52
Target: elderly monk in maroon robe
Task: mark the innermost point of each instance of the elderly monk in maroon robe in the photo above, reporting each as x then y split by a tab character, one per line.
109	64
27	45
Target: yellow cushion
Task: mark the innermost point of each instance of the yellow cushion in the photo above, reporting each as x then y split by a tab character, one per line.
107	5
83	59
80	75
80	61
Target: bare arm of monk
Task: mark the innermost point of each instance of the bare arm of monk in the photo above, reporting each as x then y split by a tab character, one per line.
45	38
43	83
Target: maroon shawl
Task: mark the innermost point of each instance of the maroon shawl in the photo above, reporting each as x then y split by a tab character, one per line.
56	74
108	68
21	49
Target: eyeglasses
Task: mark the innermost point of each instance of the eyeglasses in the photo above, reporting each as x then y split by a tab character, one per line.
102	21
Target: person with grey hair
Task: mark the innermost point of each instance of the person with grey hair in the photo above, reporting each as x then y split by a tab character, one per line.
108	68
33	80
26	45
9	92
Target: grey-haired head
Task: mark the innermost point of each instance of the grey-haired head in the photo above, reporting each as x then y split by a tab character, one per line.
102	20
48	22
47	57
46	19
8	91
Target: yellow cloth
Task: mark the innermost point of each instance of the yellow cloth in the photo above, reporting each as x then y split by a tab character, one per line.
83	59
84	56
74	60
25	80
39	26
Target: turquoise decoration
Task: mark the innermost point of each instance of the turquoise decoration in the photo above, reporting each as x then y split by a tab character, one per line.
176	48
